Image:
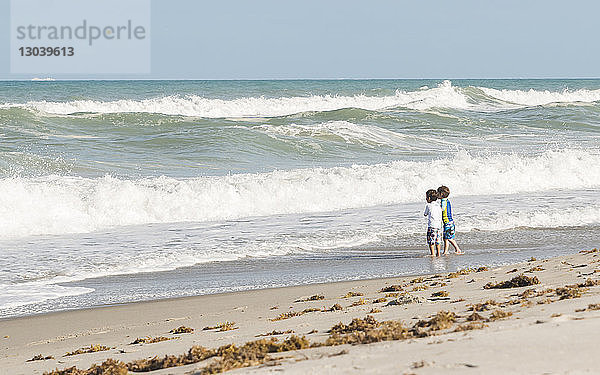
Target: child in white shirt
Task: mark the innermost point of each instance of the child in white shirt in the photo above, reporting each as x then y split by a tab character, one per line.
433	211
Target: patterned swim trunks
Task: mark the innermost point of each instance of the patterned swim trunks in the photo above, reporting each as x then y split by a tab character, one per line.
449	231
434	236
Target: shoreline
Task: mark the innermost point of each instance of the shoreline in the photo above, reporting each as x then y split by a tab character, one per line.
255	312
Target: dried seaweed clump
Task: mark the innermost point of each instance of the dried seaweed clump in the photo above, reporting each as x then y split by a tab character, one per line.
568	292
515	282
359	302
366	331
286	315
593	306
392	288
474	317
182	329
392	295
453	275
594	250
482	269
252	353
589	283
194	355
487	305
316	297
470	326
353	294
90	349
420	287
108	367
499	314
535	269
380	300
374	311
442	320
357	324
222	327
404	299
441	293
335	307
39	357
275	333
151	340
417	280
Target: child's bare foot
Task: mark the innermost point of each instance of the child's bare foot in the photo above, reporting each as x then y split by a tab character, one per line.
458	252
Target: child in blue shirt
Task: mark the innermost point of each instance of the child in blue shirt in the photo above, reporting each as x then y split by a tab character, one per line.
449	229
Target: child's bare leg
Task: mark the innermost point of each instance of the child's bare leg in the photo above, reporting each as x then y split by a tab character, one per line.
446	246
431	250
437	248
456	248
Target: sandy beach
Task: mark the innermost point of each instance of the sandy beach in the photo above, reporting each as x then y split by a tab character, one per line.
449	323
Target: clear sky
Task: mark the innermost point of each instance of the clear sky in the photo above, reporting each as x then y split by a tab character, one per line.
271	39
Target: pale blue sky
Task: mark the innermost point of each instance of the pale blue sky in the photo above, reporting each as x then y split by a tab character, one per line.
270	39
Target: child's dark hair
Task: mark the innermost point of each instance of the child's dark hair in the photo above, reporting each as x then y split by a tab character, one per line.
431	195
443	191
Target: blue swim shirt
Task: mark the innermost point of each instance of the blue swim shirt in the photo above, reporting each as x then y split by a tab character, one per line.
446	210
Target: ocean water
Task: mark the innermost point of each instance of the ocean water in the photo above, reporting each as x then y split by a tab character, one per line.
121	191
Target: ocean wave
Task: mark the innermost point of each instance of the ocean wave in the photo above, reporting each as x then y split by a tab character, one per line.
63	204
444	96
537	98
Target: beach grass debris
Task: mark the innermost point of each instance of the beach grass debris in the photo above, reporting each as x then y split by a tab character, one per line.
275	333
309	310
88	349
222	327
568	292
181	329
441	293
316	297
335	307
392	288
108	367
515	282
352	294
152	340
442	320
474	317
535	269
404	299
499	314
487	305
286	315
194	355
470	326
380	300
40	357
361	301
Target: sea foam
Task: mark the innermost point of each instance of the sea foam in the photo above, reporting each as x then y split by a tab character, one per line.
64	204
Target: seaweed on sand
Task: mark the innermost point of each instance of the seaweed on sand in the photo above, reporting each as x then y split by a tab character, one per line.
352	294
151	340
40	357
568	292
515	282
441	293
108	367
442	320
392	288
487	305
499	314
275	333
359	302
380	300
195	354
316	297
335	307
182	329
90	349
474	317
470	326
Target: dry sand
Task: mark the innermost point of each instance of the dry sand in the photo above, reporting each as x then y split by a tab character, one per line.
544	335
